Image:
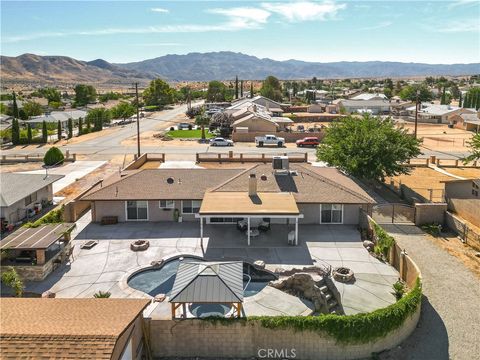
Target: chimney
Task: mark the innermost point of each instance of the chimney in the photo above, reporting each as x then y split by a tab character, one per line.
252	185
254	108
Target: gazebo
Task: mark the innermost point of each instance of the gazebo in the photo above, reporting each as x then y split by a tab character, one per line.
207	283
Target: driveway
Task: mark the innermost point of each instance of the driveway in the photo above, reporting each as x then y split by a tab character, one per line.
449	326
103	266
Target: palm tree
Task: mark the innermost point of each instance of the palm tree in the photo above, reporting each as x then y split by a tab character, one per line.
202	120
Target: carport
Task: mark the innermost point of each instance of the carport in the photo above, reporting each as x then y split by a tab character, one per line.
249	206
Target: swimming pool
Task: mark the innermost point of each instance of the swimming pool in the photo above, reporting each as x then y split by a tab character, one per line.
160	280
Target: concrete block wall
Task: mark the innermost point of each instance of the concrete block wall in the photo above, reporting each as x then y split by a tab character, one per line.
427	213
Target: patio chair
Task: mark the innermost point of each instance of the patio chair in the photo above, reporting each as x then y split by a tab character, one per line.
264	226
242	225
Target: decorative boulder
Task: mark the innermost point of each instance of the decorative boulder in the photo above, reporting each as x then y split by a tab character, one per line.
369	245
343	274
139	245
48	294
157	263
159	298
259	264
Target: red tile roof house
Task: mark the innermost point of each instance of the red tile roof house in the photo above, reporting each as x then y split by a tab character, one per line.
302	194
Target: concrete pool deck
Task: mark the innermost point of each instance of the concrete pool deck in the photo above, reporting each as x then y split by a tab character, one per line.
111	260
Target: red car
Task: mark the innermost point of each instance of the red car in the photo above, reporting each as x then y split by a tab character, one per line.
308	141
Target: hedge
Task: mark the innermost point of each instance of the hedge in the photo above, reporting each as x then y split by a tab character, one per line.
53	217
352	329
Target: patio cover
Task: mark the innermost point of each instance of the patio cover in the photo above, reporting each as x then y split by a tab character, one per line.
240	203
35	238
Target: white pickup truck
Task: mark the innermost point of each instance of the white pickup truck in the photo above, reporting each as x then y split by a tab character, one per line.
269	140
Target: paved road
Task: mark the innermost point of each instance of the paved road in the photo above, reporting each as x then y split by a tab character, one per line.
449	326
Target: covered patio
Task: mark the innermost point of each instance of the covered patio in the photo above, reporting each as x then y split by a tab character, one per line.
251	211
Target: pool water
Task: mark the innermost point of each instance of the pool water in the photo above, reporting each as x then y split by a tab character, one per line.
161	280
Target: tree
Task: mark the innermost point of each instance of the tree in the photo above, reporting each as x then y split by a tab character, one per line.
32	108
80	126
271	88
11	279
455	91
51	94
3	109
85	94
59	130
460	99
202	120
70	128
443	99
44	132
123	110
14	106
474	145
236	87
89	124
29	133
251	89
369	148
241	88
410	93
472	98
216	91
15	132
158	93
53	157
388	93
98	117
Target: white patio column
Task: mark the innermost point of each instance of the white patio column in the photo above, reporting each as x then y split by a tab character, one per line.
201	229
296	231
248	231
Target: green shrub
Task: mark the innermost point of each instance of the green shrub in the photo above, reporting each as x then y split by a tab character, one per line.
53	156
102	294
432	229
384	241
52	217
11	279
399	289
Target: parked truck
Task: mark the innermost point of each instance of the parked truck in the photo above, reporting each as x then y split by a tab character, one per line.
269	140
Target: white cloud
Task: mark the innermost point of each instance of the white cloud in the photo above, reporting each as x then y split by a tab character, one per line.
467	25
243	17
160	10
458	3
305	10
380	25
157	44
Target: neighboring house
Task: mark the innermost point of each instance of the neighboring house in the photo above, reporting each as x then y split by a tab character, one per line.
469	122
256	118
463	198
22	193
365	106
438	114
313	195
369	96
5	121
56	116
271	106
37	328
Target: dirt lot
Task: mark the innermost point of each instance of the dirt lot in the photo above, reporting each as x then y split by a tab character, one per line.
454	246
464	172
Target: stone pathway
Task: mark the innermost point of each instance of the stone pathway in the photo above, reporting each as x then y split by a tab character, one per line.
449	326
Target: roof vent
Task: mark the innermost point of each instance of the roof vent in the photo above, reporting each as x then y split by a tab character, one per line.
170	180
280	163
263	177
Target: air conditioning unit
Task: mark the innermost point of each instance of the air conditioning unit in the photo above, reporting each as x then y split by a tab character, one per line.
280	163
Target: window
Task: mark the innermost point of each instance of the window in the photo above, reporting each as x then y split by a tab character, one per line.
30	199
137	210
166	204
191	206
331	213
223	220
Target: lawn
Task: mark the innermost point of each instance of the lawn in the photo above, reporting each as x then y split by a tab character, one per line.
189	134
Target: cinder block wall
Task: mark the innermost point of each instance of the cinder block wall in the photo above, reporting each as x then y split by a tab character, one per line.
430	213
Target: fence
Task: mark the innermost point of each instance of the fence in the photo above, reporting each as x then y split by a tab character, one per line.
15	159
75	208
393	213
142	159
432	160
416	194
252	157
289	136
468	234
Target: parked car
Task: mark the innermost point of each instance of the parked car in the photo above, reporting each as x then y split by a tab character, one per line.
219	141
308	141
184	126
269	140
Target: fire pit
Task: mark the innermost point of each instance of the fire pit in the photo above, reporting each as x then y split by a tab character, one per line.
139	245
343	274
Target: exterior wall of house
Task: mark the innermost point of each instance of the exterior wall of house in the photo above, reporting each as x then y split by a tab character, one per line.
459	190
134	335
311	214
259	125
18	210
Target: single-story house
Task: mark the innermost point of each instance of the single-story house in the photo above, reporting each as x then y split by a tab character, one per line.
56	116
301	193
369	96
435	113
271	106
369	106
255	118
463	198
23	195
50	328
469	122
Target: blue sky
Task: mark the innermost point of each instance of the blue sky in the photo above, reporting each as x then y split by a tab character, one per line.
123	31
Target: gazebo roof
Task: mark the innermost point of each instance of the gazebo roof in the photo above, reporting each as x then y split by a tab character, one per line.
208	282
37	238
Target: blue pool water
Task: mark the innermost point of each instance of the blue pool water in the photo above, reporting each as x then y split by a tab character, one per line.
160	281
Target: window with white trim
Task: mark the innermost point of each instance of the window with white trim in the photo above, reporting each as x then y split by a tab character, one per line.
166	204
137	210
191	206
331	214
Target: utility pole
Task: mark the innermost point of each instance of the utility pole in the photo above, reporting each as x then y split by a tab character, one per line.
416	113
138	120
